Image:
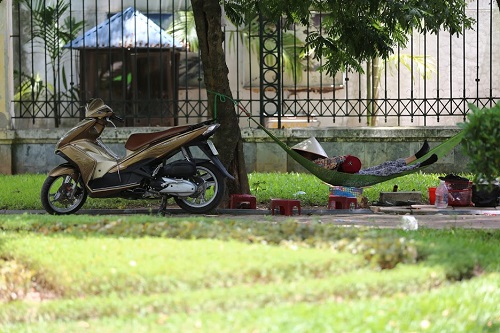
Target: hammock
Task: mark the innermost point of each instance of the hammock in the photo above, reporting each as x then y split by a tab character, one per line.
337	178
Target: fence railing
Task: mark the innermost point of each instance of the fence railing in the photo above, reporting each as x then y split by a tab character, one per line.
147	67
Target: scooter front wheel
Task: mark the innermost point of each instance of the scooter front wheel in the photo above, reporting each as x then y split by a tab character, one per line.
210	190
62	194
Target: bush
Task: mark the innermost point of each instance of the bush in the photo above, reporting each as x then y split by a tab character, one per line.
481	133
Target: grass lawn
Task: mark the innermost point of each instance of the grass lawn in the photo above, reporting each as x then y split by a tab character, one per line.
204	274
147	273
23	191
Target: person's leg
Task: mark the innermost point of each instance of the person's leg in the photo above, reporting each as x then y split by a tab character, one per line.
398	166
381	168
424	150
410	159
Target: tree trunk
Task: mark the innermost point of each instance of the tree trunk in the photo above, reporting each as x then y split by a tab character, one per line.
375	63
207	16
372	90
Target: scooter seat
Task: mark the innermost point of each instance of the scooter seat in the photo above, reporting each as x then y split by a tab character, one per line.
138	140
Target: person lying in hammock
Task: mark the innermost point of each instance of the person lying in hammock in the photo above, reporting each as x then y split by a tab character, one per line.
312	150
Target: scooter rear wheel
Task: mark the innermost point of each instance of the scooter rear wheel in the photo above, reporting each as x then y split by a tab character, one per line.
210	182
62	194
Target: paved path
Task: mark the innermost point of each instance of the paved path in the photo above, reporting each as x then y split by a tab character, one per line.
437	221
383	217
392	217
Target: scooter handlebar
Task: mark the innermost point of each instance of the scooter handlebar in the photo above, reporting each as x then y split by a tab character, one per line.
118	118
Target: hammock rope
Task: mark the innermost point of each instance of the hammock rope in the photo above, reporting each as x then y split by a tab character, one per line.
337	178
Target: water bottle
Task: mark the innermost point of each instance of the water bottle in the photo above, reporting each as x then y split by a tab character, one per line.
442	195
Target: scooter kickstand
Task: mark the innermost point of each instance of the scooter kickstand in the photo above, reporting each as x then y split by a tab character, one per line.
163	206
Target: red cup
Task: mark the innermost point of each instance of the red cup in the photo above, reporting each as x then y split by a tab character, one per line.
432	195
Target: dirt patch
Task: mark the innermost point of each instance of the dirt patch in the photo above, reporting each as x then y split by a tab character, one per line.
19	282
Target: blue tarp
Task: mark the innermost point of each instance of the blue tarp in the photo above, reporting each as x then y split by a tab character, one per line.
130	29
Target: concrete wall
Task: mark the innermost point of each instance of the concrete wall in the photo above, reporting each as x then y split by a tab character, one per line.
32	151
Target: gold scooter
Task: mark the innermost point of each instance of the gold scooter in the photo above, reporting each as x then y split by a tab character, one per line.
156	165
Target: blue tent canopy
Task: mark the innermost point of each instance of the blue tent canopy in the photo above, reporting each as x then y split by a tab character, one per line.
129	29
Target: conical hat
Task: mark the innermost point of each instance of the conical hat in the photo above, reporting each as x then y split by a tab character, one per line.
312	146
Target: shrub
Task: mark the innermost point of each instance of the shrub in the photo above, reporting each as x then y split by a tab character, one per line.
481	133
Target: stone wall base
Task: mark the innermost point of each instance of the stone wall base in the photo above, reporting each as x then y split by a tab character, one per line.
32	151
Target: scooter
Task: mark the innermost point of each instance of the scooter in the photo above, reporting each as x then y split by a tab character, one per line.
156	165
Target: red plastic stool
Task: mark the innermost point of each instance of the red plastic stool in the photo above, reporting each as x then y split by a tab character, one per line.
243	201
341	202
285	205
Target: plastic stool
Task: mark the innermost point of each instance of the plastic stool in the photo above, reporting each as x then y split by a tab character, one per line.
341	202
285	206
243	201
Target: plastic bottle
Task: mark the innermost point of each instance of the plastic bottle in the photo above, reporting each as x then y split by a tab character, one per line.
442	195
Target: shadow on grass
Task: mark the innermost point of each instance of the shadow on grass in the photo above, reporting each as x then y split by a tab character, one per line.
463	253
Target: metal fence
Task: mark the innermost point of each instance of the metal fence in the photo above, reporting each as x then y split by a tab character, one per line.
143	61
